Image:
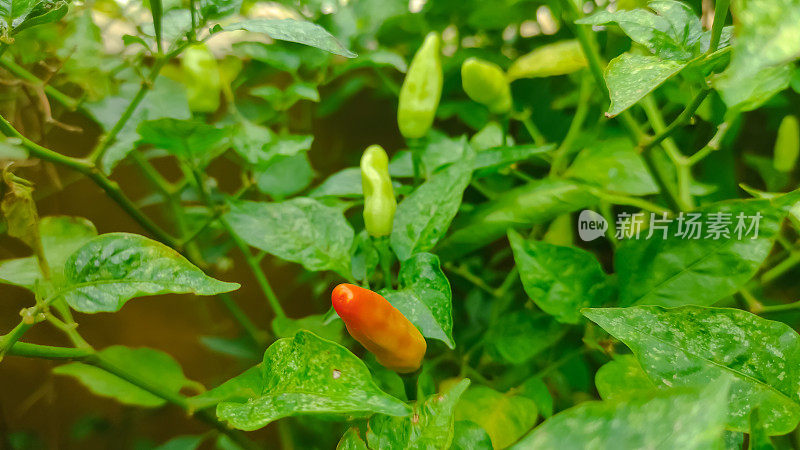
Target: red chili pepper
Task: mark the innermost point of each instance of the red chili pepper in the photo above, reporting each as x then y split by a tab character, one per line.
379	327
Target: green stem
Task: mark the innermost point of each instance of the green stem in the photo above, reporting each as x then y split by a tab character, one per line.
683	197
88	169
385	253
111	136
13	336
469	276
255	268
782	267
619	199
255	334
780	308
712	146
559	156
533	130
679	121
720	13
67	101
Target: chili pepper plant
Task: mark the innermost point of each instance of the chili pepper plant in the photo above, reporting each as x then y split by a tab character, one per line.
441	224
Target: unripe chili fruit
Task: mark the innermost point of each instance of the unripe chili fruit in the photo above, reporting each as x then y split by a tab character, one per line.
379	201
421	90
202	80
787	145
558	58
486	83
379	327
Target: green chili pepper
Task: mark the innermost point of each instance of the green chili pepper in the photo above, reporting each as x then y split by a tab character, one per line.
787	145
379	201
486	83
203	84
422	88
558	58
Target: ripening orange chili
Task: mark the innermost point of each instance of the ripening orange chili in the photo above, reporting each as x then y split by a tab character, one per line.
379	327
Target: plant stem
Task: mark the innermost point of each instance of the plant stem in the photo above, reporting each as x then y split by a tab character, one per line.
88	169
13	336
255	334
585	93
533	130
385	253
780	308
683	197
679	121
109	138
255	268
720	13
782	267
49	352
469	276
712	146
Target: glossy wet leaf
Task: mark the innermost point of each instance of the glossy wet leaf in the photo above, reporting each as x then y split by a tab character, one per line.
425	298
631	77
423	217
699	417
685	268
491	160
152	366
560	280
767	36
300	230
621	378
430	425
505	416
61	236
700	346
308	375
292	30
109	270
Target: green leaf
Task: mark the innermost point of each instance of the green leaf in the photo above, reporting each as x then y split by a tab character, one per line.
673	33
767	37
157	11
743	91
423	217
535	389
683	269
291	30
560	280
189	140
520	335
44	12
614	165
351	441
631	77
426	298
429	427
10	10
61	236
152	366
505	417
109	270
344	183
491	160
700	346
300	230
623	378
689	420
309	375
317	324
468	435
536	202
284	175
